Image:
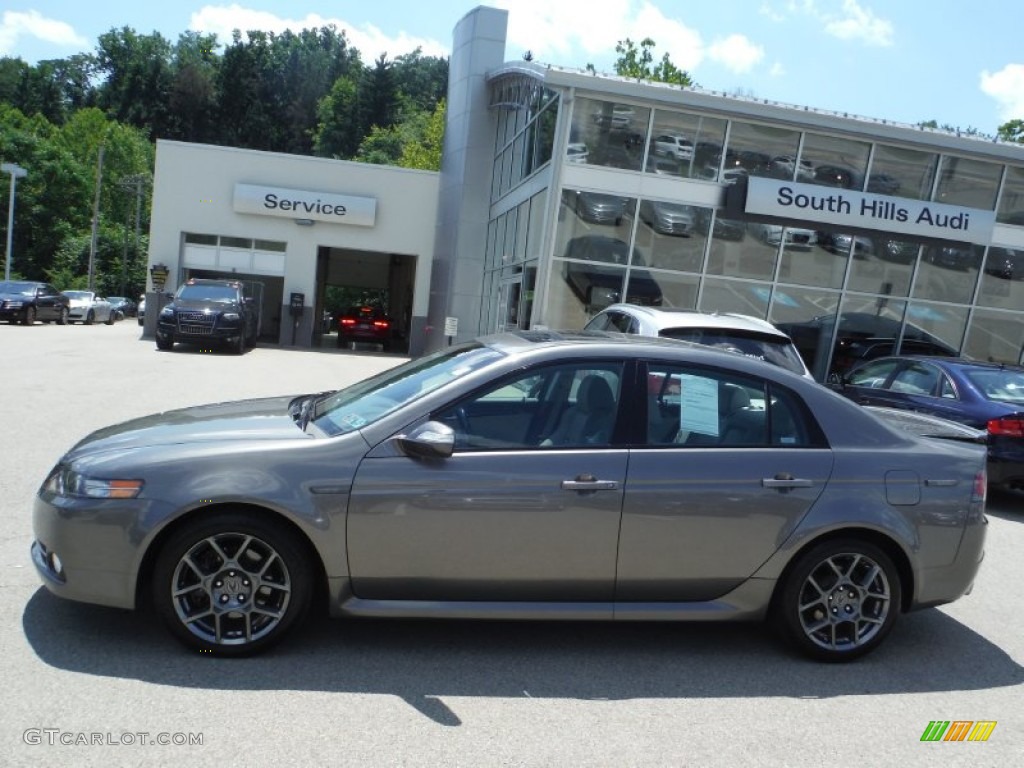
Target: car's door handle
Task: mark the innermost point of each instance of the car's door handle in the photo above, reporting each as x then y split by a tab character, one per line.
785	480
588	482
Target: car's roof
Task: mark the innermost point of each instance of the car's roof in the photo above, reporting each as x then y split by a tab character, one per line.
951	362
692	318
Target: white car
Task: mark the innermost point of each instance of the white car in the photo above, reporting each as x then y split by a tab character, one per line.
673	145
772	234
743	334
88	307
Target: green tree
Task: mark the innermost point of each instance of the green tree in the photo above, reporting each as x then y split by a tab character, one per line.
636	63
424	152
1012	130
340	130
137	79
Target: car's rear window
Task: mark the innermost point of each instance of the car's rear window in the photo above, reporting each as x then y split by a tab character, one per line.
1004	386
773	349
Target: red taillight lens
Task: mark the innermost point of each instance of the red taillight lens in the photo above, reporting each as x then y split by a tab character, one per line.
1007	426
980	486
380	323
348	321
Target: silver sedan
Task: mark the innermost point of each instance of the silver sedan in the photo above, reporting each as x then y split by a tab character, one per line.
88	307
533	475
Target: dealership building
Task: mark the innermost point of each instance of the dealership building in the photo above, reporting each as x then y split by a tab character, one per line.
562	191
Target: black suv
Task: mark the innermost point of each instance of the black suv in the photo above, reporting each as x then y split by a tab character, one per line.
207	311
25	301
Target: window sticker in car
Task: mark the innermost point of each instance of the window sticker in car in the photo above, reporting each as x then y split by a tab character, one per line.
698	405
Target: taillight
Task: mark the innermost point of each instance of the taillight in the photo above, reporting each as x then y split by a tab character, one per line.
380	323
348	321
980	486
1007	426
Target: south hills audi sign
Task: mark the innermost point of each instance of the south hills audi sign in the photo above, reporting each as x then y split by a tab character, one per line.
846	209
303	204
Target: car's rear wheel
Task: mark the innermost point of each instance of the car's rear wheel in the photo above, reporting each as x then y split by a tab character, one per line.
90	318
30	316
110	318
840	600
63	319
232	584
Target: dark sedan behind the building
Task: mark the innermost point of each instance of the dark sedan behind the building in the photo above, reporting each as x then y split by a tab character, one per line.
533	475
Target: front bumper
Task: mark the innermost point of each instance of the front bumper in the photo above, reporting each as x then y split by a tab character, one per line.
197	332
84	551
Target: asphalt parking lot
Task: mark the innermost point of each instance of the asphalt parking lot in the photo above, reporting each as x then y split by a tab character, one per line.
92	686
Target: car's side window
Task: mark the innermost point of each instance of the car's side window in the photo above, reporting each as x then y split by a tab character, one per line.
560	406
916	379
946	388
872	375
701	408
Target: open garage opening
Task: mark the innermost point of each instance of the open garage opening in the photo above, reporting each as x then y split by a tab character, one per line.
364	299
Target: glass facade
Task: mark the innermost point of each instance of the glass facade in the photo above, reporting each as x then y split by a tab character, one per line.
843	297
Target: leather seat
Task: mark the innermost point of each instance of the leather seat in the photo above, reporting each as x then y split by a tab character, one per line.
591	420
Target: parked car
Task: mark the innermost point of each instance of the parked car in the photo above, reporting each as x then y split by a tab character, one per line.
597	268
723	228
673	145
532	475
883	183
123	306
25	301
88	307
365	324
576	152
961	257
667	218
209	311
841	243
747	335
772	234
837	176
787	166
1005	263
600	208
985	396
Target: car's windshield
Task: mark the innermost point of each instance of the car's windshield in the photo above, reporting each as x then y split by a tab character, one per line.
207	293
1001	385
773	349
368	401
27	288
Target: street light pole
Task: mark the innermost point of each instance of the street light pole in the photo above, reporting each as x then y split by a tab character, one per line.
16	172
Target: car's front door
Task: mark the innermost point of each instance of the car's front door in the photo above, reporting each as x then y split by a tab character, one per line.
527	508
728	469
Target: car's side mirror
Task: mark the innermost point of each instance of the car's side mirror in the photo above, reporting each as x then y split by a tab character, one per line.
432	440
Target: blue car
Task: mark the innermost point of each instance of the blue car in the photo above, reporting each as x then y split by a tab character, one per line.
986	396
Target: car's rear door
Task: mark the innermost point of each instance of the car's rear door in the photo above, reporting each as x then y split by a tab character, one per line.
727	468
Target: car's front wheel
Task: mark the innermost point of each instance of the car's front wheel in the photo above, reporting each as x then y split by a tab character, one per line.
110	318
232	584
164	342
30	316
63	319
840	600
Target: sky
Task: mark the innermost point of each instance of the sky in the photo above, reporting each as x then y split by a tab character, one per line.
956	62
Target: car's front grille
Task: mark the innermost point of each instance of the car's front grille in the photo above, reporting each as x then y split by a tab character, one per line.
196	323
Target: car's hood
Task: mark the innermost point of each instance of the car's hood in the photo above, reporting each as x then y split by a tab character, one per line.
5	296
204	304
263	419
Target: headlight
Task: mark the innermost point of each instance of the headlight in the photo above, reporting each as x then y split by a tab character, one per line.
231	316
14	304
167	313
66	482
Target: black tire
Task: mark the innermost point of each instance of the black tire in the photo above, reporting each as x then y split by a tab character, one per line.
90	318
142	321
30	316
238	346
63	319
254	573
164	343
839	601
110	319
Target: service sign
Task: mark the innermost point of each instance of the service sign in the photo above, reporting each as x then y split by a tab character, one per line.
862	210
303	204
